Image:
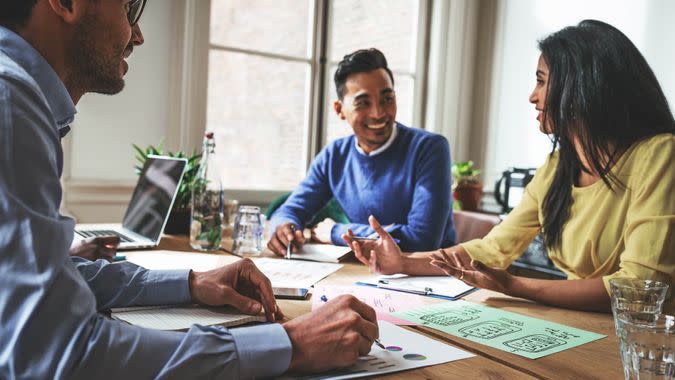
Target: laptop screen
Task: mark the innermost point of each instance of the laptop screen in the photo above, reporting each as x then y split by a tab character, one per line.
153	196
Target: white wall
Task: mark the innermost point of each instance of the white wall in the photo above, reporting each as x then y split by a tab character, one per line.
99	148
106	126
513	135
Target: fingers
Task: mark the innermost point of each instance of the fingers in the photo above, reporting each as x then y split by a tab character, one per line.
356	247
109	242
242	303
447	268
264	288
384	235
299	237
365	311
276	246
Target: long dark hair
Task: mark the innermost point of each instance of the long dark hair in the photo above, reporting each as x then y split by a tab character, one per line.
602	92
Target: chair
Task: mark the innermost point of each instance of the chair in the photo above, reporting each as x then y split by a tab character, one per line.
471	225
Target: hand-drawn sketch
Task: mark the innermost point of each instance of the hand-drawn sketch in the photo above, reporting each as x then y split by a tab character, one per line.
488	330
450	317
534	343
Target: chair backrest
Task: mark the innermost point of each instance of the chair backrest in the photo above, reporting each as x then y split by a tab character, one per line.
471	225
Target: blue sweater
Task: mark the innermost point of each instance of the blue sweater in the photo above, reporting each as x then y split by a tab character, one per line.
406	186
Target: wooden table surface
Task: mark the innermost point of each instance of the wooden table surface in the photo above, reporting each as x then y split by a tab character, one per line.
594	360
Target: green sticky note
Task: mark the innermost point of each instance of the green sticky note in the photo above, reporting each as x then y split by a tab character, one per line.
525	336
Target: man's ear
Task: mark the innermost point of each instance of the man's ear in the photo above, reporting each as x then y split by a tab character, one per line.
68	10
337	106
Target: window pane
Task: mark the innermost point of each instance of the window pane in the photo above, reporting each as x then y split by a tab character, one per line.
257	109
388	25
405	91
280	26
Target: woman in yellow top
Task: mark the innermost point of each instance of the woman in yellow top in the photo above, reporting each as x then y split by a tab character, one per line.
604	201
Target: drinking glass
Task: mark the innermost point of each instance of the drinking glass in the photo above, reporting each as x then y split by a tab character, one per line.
248	231
649	341
636	296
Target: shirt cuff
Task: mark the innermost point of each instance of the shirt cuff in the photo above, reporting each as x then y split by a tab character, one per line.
336	233
167	287
263	351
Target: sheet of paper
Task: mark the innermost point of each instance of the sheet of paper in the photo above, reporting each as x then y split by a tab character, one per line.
179	260
383	301
182	317
321	252
525	336
445	286
404	350
294	273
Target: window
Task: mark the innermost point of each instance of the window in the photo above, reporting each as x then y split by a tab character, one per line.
270	88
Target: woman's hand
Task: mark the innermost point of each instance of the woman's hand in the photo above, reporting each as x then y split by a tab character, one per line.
455	261
382	255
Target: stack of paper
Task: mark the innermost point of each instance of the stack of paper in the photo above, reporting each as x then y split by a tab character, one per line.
182	317
294	274
322	252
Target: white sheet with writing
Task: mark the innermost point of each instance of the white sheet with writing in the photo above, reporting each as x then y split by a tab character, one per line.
294	273
182	317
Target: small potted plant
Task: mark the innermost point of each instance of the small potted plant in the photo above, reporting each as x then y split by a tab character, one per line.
467	188
179	218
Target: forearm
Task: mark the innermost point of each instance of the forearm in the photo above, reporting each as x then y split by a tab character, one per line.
587	295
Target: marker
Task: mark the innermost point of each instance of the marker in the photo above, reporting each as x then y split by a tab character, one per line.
119	258
377	341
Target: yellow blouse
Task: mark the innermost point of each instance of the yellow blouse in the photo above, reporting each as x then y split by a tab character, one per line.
623	232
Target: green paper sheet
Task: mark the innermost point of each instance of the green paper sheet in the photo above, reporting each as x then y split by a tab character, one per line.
525	336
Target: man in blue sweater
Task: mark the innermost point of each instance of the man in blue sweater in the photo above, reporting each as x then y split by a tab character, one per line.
398	174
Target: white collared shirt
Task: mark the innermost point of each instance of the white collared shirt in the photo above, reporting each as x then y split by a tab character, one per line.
381	149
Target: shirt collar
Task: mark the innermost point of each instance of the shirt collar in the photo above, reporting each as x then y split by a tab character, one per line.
55	92
392	137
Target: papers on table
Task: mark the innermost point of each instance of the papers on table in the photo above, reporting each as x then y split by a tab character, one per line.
179	260
446	287
294	274
322	252
383	301
404	350
182	317
511	332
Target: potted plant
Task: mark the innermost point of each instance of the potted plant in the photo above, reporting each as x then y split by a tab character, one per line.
467	188
179	218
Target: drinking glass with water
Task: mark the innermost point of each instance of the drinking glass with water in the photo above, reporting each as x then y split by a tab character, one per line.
248	231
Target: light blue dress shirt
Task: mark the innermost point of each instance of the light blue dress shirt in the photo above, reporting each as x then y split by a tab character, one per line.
49	325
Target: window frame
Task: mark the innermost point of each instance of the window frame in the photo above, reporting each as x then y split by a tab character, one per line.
320	83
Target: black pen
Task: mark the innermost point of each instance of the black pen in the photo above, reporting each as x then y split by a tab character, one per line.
290	243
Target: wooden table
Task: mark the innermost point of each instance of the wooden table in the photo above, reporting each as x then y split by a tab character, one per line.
594	360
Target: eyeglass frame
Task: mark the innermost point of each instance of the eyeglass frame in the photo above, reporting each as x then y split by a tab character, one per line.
131	4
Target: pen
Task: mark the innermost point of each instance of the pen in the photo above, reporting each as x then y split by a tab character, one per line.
290	243
372	238
377	341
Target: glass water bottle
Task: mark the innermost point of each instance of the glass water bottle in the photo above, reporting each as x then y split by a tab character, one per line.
206	222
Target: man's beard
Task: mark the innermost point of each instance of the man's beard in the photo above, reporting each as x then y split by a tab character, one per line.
95	71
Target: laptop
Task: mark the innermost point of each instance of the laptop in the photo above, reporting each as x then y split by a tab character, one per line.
149	208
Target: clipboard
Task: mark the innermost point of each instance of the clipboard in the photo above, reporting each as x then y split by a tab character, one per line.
442	287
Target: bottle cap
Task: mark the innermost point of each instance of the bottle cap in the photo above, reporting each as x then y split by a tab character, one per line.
208	135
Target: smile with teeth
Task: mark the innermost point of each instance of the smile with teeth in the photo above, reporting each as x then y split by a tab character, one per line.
377	126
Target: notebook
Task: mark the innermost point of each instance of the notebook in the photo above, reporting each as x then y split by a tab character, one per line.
444	287
326	253
181	317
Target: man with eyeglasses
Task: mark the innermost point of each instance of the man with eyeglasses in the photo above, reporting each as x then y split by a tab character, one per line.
52	52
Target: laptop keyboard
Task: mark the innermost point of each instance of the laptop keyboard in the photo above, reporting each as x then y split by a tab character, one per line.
95	233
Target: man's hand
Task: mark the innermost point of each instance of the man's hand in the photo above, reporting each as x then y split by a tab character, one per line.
282	236
455	261
333	336
240	284
94	248
382	255
321	233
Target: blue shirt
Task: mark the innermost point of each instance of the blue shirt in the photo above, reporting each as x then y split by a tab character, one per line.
49	325
407	186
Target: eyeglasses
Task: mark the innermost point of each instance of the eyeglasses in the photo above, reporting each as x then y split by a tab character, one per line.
135	11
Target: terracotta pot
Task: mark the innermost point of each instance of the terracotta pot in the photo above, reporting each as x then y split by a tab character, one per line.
178	223
469	194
